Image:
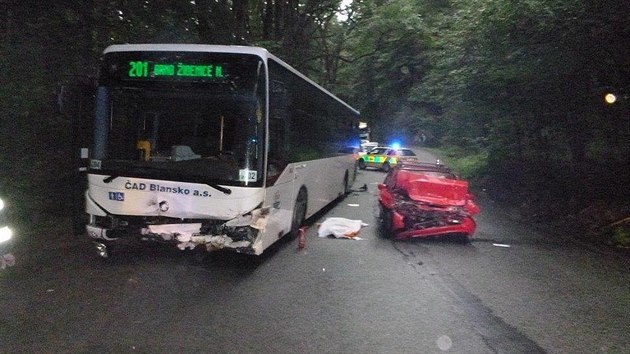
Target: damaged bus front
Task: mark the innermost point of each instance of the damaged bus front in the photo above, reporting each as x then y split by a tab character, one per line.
178	149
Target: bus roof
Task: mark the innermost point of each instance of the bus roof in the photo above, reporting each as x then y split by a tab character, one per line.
213	48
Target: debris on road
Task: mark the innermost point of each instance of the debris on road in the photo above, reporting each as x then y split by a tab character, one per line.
363	188
302	238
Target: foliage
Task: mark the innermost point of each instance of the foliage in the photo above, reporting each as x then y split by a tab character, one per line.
525	78
47	44
516	85
386	51
468	164
621	236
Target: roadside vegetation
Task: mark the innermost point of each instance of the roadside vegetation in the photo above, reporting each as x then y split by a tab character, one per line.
572	207
470	164
516	94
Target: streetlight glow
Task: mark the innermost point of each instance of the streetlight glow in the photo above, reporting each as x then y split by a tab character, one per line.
610	98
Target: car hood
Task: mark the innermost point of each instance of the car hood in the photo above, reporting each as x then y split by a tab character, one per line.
435	190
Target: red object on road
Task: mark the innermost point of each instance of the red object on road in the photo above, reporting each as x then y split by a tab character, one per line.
426	200
302	238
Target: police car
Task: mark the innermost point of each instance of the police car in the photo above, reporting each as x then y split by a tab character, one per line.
384	157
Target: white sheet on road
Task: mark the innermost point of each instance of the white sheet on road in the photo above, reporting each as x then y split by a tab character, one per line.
340	228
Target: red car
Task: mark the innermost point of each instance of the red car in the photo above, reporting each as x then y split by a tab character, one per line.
426	200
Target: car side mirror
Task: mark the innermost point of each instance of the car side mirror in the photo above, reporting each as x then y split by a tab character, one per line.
381	186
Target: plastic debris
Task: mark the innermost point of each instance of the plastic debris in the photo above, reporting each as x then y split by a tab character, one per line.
302	238
361	189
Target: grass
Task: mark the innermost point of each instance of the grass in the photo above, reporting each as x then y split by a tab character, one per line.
469	164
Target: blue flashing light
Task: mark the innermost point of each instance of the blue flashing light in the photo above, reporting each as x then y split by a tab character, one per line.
395	145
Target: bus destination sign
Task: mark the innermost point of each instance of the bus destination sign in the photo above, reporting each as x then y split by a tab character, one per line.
146	69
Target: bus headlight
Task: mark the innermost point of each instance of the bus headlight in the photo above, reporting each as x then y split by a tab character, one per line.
5	234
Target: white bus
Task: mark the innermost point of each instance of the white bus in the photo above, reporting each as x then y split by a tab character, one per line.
211	147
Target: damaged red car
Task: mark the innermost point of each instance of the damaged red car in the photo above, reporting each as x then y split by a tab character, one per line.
426	200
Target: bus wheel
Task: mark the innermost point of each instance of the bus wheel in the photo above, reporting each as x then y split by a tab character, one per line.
299	212
362	164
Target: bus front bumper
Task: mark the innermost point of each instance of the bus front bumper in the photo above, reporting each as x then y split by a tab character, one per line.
183	236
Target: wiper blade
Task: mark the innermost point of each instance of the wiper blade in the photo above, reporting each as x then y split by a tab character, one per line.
219	188
110	178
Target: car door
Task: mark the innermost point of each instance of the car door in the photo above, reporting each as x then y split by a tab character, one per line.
374	157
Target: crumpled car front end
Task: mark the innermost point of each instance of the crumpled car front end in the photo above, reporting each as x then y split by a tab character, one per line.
416	219
421	204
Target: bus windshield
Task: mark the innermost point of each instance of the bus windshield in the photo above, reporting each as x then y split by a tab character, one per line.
196	117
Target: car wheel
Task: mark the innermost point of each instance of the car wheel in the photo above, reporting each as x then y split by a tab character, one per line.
386	222
362	164
386	167
299	213
463	239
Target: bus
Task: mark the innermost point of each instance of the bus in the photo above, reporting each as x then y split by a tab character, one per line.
211	147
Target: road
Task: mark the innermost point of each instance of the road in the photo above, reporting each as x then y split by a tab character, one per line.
514	289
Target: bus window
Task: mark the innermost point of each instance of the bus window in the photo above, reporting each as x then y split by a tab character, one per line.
277	159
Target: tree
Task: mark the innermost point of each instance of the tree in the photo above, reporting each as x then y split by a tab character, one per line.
387	59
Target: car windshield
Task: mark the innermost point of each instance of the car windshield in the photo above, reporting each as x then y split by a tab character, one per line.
378	151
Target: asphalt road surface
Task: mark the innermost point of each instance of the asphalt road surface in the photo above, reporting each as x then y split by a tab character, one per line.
514	289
